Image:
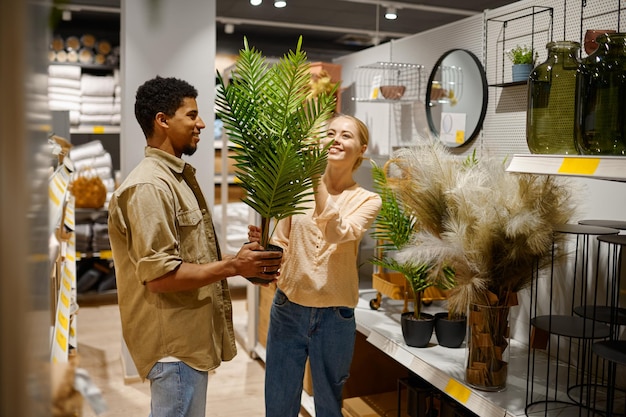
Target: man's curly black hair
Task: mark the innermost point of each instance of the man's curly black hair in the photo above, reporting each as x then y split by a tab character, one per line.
160	95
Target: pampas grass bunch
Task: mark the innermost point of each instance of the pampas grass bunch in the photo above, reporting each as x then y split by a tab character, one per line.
491	227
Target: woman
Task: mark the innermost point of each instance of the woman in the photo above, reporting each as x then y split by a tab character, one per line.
312	314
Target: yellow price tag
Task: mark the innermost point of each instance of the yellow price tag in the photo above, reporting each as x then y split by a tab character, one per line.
98	129
460	136
457	391
580	166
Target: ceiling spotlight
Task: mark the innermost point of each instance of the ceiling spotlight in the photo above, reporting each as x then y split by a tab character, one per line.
229	28
391	13
279	4
256	2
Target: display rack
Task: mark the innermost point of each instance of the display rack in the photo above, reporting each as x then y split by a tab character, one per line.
567	337
95	258
404	80
529	26
402	87
63	276
598	167
441	367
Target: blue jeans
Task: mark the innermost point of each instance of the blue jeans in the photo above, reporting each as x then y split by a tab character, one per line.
326	336
177	390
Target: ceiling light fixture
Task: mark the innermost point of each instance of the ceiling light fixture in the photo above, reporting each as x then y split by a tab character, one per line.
256	2
391	13
229	28
279	4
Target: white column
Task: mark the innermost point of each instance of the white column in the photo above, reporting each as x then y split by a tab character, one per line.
170	39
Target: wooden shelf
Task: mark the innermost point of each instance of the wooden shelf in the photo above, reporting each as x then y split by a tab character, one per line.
599	167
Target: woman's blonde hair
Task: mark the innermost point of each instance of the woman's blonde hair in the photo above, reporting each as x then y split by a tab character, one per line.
362	132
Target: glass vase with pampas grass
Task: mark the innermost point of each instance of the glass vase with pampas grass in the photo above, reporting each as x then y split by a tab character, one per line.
492	228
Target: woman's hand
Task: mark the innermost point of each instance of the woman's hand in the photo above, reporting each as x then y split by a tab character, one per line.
254	233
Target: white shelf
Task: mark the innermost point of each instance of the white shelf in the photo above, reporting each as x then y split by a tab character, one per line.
444	368
94	129
599	167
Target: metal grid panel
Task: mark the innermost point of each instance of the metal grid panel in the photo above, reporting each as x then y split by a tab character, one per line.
370	80
504	131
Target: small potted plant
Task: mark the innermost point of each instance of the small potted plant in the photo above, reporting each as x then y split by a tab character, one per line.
394	229
274	122
523	59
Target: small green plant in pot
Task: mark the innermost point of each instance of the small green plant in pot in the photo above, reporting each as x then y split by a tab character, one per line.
274	123
395	228
523	59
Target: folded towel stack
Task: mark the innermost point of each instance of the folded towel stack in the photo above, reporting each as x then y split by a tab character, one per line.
64	90
90	99
98	100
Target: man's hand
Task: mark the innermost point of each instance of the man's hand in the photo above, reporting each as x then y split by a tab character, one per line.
253	261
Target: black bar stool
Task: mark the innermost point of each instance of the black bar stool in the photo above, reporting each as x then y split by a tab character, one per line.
612	351
565	370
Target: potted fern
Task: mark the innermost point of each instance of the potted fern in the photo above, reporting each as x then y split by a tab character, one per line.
394	230
274	122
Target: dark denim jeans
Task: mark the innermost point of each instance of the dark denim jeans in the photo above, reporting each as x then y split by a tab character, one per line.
177	390
326	336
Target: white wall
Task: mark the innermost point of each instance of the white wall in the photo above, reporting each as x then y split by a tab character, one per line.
170	39
504	128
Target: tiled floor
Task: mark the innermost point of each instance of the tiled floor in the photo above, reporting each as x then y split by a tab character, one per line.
235	388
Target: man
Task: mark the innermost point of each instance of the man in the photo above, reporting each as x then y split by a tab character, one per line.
171	279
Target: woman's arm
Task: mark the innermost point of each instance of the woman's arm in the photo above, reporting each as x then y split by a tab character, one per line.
338	229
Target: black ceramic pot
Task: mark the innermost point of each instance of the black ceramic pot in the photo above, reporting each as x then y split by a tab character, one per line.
262	280
450	332
417	333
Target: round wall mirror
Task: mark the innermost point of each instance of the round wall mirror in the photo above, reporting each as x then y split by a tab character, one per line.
456	97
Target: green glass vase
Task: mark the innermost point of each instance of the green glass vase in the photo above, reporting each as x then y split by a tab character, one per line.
601	98
551	89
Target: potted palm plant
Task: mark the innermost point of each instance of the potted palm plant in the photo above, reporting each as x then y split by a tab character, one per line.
394	230
274	121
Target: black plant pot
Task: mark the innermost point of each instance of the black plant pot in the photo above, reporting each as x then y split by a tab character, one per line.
450	332
262	280
417	333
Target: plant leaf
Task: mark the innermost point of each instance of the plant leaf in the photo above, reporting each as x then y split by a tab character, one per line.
274	125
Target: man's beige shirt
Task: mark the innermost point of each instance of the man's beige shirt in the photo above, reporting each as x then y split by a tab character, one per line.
158	219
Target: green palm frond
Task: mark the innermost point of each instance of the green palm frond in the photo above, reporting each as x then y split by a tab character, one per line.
274	126
417	274
394	226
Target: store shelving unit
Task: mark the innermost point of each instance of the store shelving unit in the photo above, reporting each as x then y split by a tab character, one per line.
369	79
92	255
444	368
63	276
599	167
525	26
95	130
